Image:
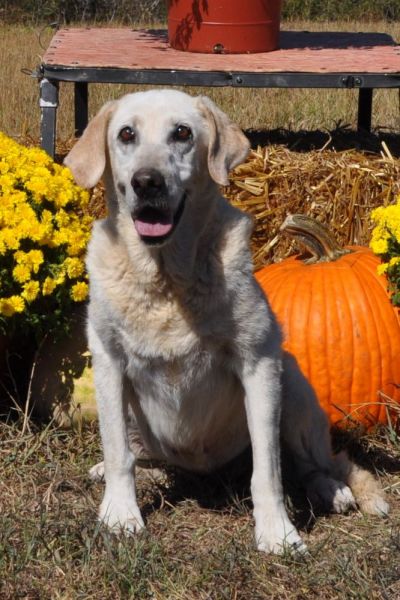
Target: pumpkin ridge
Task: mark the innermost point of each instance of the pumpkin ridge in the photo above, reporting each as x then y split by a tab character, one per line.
320	283
348	339
273	280
288	318
331	315
375	364
307	328
306	355
384	338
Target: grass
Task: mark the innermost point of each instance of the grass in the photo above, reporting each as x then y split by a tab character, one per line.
21	49
199	538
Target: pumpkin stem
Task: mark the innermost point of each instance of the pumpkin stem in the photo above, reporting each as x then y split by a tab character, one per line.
317	238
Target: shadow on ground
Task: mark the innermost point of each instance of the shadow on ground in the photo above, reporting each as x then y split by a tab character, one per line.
228	489
340	138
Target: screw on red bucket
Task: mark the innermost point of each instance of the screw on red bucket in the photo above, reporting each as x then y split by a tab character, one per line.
234	25
218	49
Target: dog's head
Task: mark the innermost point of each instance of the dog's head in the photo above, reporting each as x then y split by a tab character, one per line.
162	146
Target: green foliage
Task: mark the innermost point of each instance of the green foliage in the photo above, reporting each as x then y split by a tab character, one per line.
129	12
65	11
321	10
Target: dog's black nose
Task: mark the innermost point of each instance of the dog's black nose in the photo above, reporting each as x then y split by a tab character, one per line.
148	182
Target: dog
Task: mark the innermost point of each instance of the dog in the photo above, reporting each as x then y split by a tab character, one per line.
187	356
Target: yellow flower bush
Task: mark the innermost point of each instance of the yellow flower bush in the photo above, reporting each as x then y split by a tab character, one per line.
385	242
44	230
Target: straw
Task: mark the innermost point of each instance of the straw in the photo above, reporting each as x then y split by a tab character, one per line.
337	188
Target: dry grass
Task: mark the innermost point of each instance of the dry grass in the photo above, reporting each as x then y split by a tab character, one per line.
198	543
22	48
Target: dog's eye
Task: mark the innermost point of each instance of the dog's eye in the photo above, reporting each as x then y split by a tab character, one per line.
127	135
182	133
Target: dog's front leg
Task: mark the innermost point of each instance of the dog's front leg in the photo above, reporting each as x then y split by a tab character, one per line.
119	508
273	529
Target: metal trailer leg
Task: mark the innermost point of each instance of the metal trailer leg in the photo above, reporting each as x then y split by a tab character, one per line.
48	106
364	109
81	107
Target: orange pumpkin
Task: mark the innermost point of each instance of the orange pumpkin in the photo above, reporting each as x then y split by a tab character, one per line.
339	323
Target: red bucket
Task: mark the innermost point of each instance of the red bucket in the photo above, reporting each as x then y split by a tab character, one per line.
224	26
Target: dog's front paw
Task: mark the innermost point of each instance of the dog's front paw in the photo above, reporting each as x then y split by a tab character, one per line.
278	536
96	473
121	515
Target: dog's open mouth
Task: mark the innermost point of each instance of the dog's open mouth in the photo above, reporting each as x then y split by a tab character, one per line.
155	225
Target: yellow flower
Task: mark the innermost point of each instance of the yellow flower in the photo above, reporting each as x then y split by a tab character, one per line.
385	242
79	291
381	269
6	181
38	186
35	259
10	239
62	218
394	261
21	273
10	306
379	246
44	230
20	257
74	267
60	277
48	286
30	291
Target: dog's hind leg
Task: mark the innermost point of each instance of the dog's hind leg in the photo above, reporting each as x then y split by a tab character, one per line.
366	489
333	481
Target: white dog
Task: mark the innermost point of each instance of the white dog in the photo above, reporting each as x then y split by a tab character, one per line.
186	351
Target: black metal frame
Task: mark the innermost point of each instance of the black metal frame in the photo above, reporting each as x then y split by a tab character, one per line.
81	77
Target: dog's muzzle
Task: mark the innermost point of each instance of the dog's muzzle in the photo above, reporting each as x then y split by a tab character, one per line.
153	218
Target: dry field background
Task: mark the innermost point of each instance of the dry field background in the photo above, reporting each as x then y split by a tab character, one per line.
21	49
198	545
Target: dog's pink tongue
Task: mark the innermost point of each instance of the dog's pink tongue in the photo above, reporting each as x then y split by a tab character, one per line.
156	229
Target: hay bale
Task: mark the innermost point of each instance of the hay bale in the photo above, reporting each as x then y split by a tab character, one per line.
337	188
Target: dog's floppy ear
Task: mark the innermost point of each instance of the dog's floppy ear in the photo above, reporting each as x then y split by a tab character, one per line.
87	159
227	145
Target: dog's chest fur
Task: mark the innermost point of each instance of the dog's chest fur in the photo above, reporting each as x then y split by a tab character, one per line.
177	355
154	310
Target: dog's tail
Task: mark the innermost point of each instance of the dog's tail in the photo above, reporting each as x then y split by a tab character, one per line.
367	491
